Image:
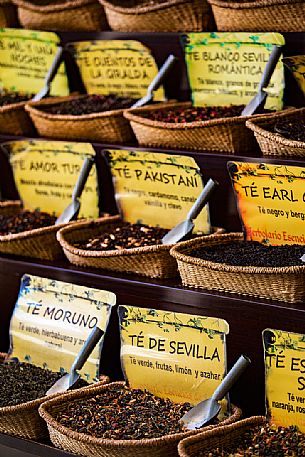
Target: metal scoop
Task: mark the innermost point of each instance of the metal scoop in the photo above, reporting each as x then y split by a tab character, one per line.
206	410
50	75
69	379
258	102
156	82
185	228
70	213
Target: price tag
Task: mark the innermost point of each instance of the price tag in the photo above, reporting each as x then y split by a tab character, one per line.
46	172
296	65
271	201
172	355
225	68
51	321
122	67
285	379
157	189
25	57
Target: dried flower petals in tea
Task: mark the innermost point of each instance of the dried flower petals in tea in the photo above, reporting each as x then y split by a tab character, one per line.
121	413
125	236
264	441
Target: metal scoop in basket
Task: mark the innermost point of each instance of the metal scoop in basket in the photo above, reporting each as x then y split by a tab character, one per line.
70	213
185	228
69	379
206	410
156	82
50	75
258	102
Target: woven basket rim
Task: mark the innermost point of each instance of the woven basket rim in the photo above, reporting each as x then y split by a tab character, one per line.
136	10
8	203
134	115
103	254
64	5
254	4
254	125
221	430
84	438
33	108
33	232
13	106
180	252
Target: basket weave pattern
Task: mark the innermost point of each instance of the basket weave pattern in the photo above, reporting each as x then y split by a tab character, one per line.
275	283
78	15
222	437
259	15
14	120
272	143
86	445
169	16
108	126
10	207
227	135
152	261
23	419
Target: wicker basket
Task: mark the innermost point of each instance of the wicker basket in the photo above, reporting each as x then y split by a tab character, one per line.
65	15
8	14
82	444
152	261
259	15
272	143
275	283
222	437
168	16
23	419
10	207
39	243
14	120
226	135
107	127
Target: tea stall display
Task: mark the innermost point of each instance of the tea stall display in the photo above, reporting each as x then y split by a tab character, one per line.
49	326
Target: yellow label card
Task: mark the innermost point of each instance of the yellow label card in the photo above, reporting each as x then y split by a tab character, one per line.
285	377
46	172
172	355
25	57
51	321
225	68
296	65
123	67
271	201
157	189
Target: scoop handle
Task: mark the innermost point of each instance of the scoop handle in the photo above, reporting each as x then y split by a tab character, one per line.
162	73
238	368
87	348
270	66
202	199
82	178
54	65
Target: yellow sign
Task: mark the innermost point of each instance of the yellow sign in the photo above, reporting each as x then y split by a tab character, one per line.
296	65
157	189
285	377
271	201
51	321
25	57
172	355
46	172
123	67
225	68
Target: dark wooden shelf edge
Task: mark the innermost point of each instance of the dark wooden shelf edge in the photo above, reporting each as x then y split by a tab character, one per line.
11	446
